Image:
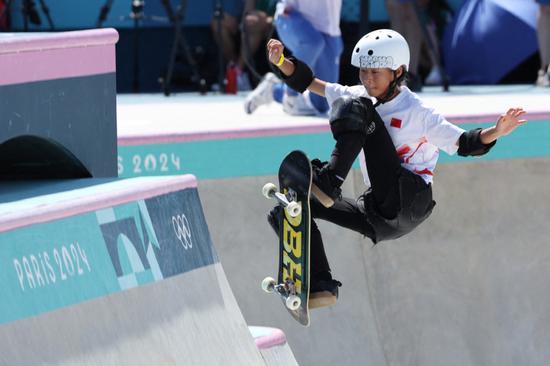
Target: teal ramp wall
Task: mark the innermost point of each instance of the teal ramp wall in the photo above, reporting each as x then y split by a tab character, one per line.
136	250
52	265
215	159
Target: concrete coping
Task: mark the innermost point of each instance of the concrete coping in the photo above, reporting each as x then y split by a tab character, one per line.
98	194
25	42
266	337
145	137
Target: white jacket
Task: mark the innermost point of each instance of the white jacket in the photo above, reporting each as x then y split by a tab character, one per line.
417	131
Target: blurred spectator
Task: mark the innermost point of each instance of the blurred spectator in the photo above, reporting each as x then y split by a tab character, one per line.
406	17
257	26
403	19
311	30
239	15
543	34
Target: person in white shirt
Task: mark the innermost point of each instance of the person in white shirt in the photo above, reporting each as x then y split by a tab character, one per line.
311	30
398	140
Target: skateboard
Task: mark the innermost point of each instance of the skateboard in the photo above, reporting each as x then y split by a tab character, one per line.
292	283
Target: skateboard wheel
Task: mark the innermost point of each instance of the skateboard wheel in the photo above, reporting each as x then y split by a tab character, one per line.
293	302
268	284
294	209
269	190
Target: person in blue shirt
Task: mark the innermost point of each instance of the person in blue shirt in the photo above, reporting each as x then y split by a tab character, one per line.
311	30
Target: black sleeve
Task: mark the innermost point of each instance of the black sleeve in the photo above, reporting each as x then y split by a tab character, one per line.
300	79
469	144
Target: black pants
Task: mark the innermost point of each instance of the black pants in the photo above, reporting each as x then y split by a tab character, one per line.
383	167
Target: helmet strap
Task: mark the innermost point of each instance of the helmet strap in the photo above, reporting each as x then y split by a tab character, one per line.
391	89
389	93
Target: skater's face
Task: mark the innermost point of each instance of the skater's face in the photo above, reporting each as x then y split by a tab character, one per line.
377	81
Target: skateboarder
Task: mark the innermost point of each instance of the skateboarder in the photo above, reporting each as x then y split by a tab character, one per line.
397	138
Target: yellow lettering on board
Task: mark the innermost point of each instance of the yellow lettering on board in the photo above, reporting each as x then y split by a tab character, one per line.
292	270
292	240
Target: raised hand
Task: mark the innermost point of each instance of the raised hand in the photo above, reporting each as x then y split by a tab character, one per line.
508	122
275	49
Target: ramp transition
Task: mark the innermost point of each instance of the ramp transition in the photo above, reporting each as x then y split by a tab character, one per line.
114	272
469	287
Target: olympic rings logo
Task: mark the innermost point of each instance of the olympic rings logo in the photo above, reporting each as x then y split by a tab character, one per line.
182	230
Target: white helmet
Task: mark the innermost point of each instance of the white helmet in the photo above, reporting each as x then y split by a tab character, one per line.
383	48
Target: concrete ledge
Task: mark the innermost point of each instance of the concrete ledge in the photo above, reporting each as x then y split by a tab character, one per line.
56	55
273	346
96	196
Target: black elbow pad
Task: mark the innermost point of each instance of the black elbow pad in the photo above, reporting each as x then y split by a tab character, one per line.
300	79
469	144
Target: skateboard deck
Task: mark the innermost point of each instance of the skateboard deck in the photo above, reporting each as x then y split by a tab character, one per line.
294	192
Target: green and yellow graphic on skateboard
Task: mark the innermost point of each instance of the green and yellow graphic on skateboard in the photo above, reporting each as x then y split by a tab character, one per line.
294	220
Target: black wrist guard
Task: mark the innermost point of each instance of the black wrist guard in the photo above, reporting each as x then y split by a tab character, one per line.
469	144
300	79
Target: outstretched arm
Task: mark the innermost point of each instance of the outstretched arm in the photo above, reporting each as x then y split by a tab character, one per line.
275	53
479	141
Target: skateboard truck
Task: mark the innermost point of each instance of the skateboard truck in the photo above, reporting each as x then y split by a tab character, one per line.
270	191
286	290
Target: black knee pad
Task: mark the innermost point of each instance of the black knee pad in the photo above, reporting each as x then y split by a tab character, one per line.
351	114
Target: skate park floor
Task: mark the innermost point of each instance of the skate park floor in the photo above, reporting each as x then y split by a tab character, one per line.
192	117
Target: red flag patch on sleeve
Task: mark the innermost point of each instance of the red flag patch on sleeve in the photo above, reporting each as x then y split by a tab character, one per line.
395	123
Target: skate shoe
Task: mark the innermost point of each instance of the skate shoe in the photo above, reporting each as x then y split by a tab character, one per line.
323	292
325	184
262	95
298	105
